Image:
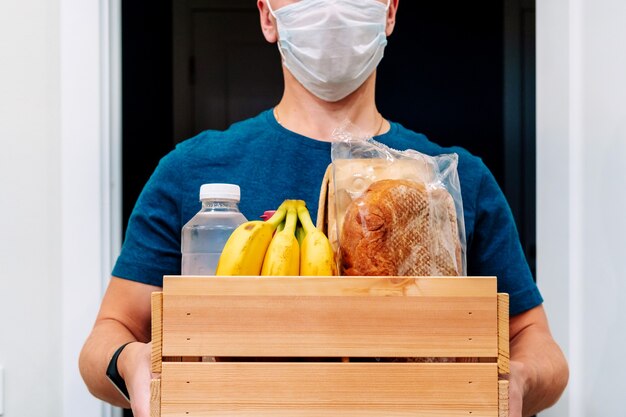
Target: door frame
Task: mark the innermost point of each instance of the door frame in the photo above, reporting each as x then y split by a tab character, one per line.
560	172
89	32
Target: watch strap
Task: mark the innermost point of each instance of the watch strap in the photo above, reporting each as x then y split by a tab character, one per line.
113	373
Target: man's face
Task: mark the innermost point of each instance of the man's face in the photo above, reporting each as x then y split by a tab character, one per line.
268	23
277	4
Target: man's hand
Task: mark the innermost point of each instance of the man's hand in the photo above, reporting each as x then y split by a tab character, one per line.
134	366
539	371
516	389
124	317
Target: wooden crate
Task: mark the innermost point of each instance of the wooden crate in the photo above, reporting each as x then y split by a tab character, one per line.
288	340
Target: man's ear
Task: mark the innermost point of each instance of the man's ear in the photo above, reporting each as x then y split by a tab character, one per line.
391	16
268	23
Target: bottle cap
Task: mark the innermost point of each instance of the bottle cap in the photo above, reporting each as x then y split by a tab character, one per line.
220	191
267	215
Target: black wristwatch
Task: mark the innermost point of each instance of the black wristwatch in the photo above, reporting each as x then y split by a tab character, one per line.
114	375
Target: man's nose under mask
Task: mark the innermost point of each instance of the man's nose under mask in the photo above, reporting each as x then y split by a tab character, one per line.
332	46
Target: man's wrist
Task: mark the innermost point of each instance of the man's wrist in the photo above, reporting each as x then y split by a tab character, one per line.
114	374
122	360
523	375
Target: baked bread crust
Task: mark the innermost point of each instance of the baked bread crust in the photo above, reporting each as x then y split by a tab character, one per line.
401	228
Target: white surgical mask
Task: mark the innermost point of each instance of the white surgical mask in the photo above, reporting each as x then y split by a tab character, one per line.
332	46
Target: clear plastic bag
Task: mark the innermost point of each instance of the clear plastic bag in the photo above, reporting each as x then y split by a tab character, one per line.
397	213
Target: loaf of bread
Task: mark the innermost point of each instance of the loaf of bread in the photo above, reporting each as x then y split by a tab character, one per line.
401	228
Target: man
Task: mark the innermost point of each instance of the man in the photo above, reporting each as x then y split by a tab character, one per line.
330	51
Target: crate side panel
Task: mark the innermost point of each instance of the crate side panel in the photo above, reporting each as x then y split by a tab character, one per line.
155	398
157	331
330	326
503	334
342	389
503	398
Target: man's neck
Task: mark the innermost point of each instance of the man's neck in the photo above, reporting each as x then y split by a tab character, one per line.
303	113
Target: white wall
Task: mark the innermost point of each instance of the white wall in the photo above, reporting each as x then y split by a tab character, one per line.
30	213
582	195
57	199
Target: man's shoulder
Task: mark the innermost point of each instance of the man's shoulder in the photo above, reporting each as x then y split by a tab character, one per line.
221	142
401	138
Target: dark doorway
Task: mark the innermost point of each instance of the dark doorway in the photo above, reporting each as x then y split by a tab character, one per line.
519	180
147	124
461	73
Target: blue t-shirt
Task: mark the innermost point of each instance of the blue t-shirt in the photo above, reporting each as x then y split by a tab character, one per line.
271	164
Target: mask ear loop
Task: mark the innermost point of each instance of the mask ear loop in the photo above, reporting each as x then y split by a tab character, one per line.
269	6
280	50
388	4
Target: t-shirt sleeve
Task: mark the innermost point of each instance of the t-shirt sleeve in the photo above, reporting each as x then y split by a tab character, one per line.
496	249
151	247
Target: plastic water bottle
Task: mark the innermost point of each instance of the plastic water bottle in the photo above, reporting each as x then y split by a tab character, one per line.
205	235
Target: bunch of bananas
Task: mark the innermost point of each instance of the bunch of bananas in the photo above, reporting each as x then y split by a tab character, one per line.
286	244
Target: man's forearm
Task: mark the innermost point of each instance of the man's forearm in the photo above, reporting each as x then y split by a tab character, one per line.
106	337
543	368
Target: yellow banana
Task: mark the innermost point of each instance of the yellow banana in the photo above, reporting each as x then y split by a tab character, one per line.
316	254
245	249
300	234
283	254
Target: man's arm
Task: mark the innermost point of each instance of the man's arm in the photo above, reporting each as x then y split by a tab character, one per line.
125	315
539	371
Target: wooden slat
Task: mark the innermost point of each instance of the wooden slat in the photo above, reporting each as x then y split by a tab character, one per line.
330	317
330	326
332	286
503	334
503	398
157	328
337	389
155	398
